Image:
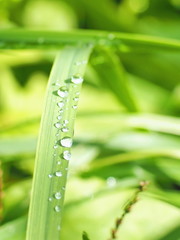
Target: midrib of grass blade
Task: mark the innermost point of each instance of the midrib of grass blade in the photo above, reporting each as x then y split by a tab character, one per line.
28	39
51	160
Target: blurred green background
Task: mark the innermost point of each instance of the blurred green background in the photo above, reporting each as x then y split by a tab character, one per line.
144	144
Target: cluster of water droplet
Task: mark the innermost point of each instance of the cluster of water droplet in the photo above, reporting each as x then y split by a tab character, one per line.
66	99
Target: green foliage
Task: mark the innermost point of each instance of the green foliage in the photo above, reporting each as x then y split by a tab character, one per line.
126	131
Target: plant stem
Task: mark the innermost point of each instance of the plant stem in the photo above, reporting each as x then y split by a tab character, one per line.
27	39
55	140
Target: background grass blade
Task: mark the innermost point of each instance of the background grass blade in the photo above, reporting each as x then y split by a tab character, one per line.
53	151
20	39
112	74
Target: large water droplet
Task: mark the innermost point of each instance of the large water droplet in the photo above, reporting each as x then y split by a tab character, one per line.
58	195
60	104
67	155
57	125
58	174
66	142
57	208
76	79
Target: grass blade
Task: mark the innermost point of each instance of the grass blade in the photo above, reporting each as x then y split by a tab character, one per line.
22	39
55	141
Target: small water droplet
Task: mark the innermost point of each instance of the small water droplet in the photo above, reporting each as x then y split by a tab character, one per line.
61	111
76	99
59	163
50	175
76	79
57	208
77	63
65	129
77	93
111	181
57	195
57	125
59	117
67	155
74	106
66	121
58	174
57	134
57	84
60	104
66	168
63	188
55	146
62	92
59	228
66	142
50	199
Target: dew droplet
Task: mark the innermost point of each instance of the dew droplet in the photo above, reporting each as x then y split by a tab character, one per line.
57	195
77	93
61	111
57	125
57	84
74	106
50	199
76	99
111	181
58	174
57	208
67	155
66	142
62	92
50	175
59	228
59	117
65	129
76	79
63	188
60	104
59	163
66	121
55	146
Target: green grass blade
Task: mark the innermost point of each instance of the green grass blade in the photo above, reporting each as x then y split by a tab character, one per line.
54	145
113	75
22	39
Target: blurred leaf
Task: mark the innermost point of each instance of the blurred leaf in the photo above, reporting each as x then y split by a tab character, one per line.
112	74
85	236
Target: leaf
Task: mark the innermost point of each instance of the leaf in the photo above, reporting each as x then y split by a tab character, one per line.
113	75
55	140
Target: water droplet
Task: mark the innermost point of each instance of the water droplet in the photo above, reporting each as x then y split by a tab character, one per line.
57	208
65	129
50	175
63	188
77	63
66	142
66	121
57	195
60	104
59	117
58	174
57	84
62	92
66	168
59	228
111	181
57	125
59	163
76	79
76	99
67	155
77	93
74	106
61	111
55	146
50	199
